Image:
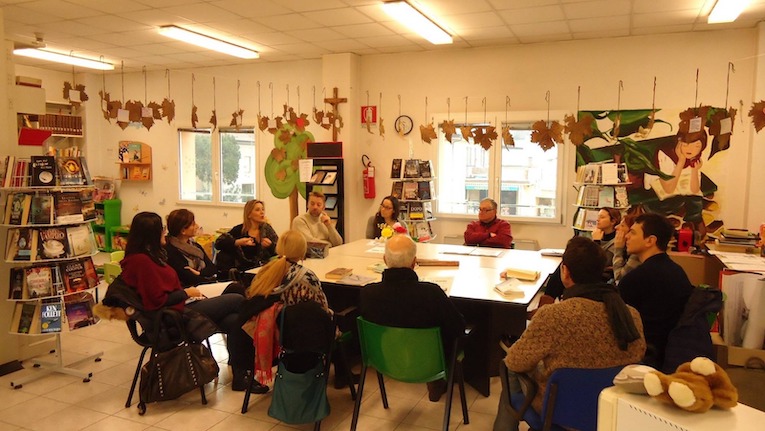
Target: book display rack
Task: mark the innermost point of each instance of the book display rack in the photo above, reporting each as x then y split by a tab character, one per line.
599	185
328	178
413	186
48	256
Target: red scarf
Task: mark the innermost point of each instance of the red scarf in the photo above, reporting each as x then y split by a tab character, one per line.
266	342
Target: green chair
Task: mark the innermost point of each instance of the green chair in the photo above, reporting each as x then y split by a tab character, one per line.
113	269
410	355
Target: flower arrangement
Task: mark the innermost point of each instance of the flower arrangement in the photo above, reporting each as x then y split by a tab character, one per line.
386	232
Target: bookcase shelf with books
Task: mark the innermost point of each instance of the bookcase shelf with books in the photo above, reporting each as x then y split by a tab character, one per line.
49	245
599	185
413	186
134	159
329	179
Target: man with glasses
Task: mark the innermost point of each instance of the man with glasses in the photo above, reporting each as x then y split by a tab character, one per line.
488	230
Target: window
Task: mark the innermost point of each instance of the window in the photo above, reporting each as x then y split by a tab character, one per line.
522	179
217	167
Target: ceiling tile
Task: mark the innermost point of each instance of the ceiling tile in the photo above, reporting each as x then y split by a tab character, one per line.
661	29
156	49
111	23
288	22
663	18
609	23
301	48
140	37
473	20
493	42
520	4
480	33
310	5
362	30
252	8
156	18
60	9
117	7
271	39
652	6
544	38
316	34
89	43
167	3
240	26
27	16
121	52
345	45
597	34
454	7
387	41
533	15
338	17
201	12
539	29
595	9
78	28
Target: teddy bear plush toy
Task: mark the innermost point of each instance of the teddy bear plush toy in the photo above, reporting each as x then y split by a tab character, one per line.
696	386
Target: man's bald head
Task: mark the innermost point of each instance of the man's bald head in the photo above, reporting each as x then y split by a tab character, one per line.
400	252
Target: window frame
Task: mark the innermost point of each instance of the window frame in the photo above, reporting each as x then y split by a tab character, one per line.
525	119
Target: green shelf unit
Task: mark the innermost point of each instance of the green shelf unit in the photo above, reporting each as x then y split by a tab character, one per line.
109	217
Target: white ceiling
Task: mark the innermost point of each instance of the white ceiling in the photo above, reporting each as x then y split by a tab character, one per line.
126	30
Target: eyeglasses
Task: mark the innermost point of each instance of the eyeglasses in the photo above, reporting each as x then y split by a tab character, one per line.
386	207
486	210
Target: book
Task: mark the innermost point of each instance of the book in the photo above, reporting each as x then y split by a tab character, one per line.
17	208
622	174
591	196
58	282
80	240
520	274
610	173
410	190
74	277
41	211
395	168
50	316
17	289
70	171
553	252
416	211
39	281
338	273
43	171
68	207
425	171
590	219
52	243
427	208
90	271
421	231
10	163
412	168
133	152
25	317
606	197
423	190
329	178
86	179
591	174
621	200
579	218
317	177
88	207
508	287
397	189
21	244
331	202
78	309
437	262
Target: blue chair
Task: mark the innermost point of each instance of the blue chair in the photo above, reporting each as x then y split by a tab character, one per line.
570	399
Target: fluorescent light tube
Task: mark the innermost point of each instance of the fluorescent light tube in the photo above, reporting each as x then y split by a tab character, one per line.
413	19
727	10
44	54
208	42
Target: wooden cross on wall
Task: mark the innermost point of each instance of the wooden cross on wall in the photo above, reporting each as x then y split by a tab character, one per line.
334	101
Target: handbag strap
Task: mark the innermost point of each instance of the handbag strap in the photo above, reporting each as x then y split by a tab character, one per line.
175	318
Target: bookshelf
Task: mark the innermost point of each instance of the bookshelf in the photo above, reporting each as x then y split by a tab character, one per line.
413	186
134	159
108	216
328	178
599	185
47	260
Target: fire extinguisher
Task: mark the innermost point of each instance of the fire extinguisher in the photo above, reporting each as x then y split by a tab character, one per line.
369	177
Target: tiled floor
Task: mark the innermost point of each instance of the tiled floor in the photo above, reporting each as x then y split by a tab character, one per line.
62	403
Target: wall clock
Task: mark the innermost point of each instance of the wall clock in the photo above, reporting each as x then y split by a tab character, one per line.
403	125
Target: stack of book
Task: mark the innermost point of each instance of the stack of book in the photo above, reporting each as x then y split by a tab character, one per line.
46	243
738	238
44	171
43	208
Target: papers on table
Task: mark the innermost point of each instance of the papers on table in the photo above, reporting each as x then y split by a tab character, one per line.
377	248
445	283
477	251
554	252
356	280
740	261
508	287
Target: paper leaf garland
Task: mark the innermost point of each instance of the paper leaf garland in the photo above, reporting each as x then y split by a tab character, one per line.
236	119
194	118
168	109
105	105
114	107
289	115
578	131
485	136
758	115
79	87
507	137
134	108
214	119
643	132
262	123
428	133
467	132
147	122
721	134
545	136
156	110
277	122
691	113
382	128
449	129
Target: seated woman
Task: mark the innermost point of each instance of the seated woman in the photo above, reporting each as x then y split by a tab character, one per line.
248	245
623	262
184	255
146	269
387	215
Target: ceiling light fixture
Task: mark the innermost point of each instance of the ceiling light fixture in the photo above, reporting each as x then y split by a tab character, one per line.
726	10
58	57
416	21
208	42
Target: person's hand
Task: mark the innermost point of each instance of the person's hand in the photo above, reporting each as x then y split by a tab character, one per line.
597	234
244	241
325	219
265	242
192	270
696	164
620	238
193	292
680	155
492	234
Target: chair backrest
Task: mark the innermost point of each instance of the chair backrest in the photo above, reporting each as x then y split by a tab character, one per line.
117	256
307	328
690	337
572	396
111	271
411	355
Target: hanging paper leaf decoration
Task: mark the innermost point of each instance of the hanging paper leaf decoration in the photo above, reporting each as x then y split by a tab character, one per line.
485	136
467	132
156	112
147	122
105	105
449	129
262	123
507	137
617	125
114	107
236	119
691	113
289	115
428	133
382	128
578	131
134	108
278	123
214	119
545	136
721	138
302	122
643	132
83	95
758	115
168	109
194	118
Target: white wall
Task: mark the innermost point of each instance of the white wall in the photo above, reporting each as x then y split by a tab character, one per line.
524	73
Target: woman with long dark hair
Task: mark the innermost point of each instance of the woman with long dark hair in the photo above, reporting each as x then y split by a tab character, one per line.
146	269
387	215
247	245
187	258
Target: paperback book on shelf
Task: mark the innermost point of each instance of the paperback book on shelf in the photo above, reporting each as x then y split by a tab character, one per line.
39	281
78	308
425	170
41	211
21	244
17	288
68	207
52	243
423	190
397	190
75	278
26	318
50	315
90	271
416	210
412	168
70	171
395	169
410	190
17	208
87	206
606	197
43	171
80	240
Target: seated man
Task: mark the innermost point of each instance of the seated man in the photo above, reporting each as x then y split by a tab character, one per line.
488	230
591	328
658	288
315	225
401	300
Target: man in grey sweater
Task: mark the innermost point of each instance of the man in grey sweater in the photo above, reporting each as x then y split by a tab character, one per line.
316	225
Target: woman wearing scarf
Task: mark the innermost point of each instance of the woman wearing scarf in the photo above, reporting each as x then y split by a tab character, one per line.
184	255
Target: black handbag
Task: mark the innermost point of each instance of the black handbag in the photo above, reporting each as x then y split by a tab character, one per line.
171	373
